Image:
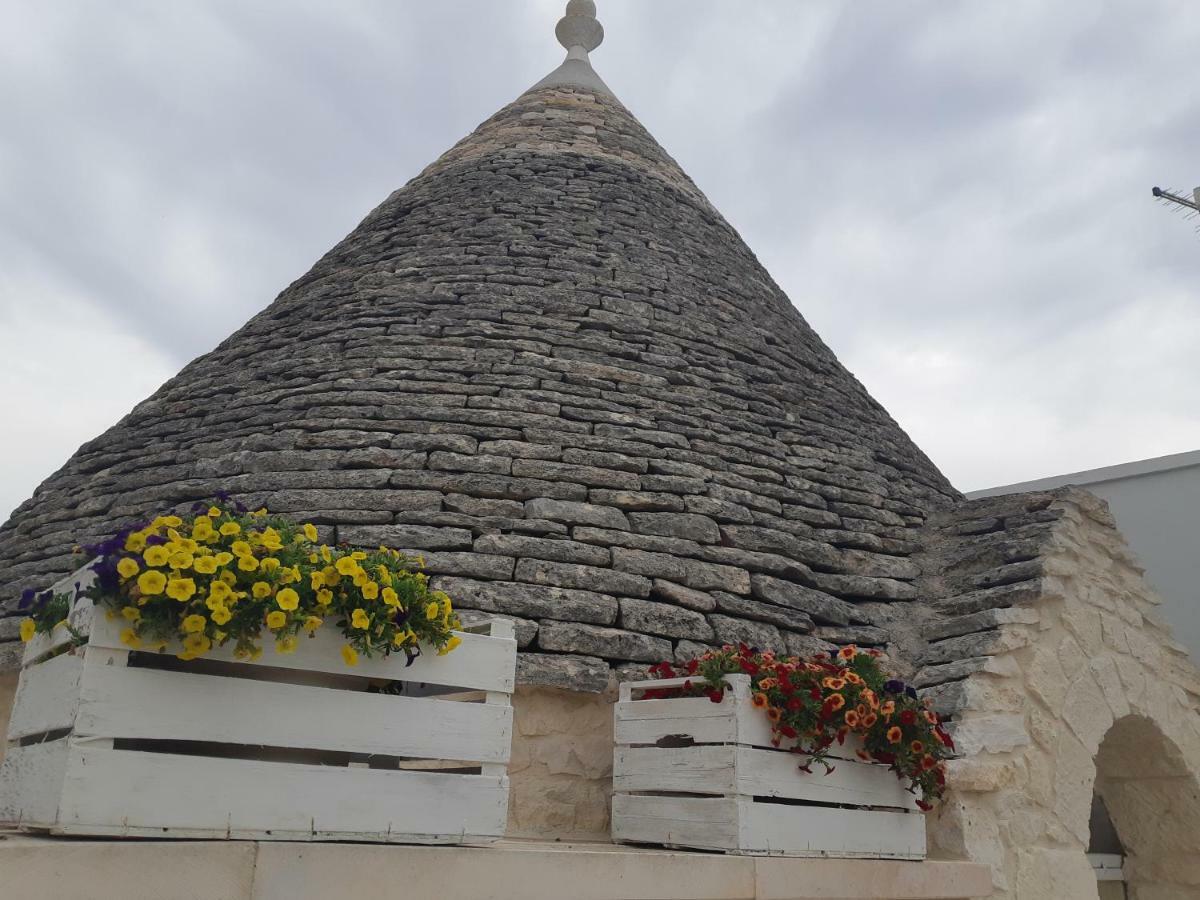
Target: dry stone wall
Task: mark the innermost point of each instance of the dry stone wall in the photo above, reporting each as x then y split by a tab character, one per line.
551	368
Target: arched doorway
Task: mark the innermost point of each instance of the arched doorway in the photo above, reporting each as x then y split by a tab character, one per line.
1153	801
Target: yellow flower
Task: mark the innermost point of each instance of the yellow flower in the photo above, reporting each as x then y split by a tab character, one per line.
172	521
247	563
181	589
219	591
136	542
390	597
156	555
221	616
28	629
260	512
331	576
286	644
205	565
276	619
316	580
223	558
454	641
241	548
214	512
194	624
361	579
346	566
350	655
432	611
152	583
127	568
360	619
131	613
370	590
291	575
270	564
287	599
228	578
326	553
310	531
130	638
202	522
261	590
181	559
196	644
272	540
311	624
230	528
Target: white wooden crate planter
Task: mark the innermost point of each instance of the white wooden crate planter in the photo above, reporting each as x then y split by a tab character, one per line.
692	773
105	741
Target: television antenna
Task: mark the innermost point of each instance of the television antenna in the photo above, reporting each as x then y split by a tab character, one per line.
1191	208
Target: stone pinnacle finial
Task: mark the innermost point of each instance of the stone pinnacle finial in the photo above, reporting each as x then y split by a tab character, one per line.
579	27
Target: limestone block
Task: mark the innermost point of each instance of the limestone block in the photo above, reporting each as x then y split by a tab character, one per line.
1087	712
662	619
1074	775
1045	678
994	733
683	596
585	674
1043	874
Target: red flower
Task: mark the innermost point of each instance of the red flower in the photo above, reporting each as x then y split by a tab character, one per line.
716	695
788	731
692	666
795	704
908	717
925	807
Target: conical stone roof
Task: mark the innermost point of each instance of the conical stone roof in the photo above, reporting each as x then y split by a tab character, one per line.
551	366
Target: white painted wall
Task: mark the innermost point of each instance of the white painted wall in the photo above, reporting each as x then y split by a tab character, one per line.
1156	503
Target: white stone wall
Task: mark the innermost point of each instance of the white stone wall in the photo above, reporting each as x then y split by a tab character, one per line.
1084	690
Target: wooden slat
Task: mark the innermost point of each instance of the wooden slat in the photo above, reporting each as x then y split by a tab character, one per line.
481	662
44	645
47	697
706	823
118	702
826	831
741	825
755	773
193	796
31	780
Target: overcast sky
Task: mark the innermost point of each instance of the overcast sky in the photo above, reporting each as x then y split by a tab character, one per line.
955	194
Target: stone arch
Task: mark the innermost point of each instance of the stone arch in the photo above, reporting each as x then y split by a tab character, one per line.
1153	798
1080	689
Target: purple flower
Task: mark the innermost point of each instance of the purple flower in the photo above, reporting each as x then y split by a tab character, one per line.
911	692
893	686
26	598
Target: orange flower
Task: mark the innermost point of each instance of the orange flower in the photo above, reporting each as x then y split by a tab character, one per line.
869	698
863	755
767	683
869	719
760	700
852	718
894	734
931	717
834	684
774	713
834	702
853	678
888	709
928	762
861	710
917	747
848	652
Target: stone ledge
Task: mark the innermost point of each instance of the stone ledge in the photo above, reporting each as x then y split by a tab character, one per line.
54	869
